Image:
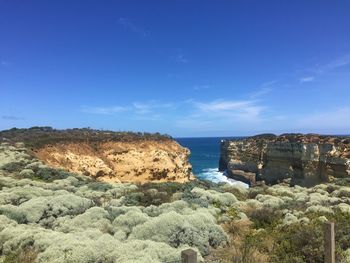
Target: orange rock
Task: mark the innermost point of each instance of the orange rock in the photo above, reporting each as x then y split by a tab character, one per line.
116	161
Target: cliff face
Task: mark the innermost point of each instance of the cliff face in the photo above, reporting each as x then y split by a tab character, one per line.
142	161
305	159
107	155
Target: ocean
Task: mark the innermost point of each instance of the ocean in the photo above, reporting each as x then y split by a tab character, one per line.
205	155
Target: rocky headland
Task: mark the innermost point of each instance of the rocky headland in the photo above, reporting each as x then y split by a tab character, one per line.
107	156
301	159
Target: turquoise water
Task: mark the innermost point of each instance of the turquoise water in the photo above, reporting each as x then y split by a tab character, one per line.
205	154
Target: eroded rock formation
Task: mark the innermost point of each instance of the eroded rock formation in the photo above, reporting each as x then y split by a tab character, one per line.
304	159
121	161
108	156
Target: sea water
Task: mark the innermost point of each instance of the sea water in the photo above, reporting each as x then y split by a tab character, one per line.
205	155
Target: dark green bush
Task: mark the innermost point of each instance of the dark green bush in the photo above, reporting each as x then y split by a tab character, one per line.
265	217
14	167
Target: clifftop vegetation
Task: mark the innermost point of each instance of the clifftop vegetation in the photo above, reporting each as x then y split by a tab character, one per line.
303	138
37	137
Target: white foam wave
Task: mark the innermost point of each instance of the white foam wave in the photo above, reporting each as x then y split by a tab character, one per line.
213	174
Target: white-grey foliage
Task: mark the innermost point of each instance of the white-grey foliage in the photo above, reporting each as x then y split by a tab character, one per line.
198	229
212	196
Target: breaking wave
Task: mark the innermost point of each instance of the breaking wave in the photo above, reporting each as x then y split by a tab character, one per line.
213	174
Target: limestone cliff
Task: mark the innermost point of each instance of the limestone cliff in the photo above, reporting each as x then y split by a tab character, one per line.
305	159
121	161
108	156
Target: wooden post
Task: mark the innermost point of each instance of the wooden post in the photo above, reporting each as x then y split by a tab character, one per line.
188	256
329	243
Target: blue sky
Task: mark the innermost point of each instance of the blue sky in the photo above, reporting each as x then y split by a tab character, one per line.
186	68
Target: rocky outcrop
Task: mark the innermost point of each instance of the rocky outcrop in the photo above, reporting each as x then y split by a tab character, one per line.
147	161
302	159
106	155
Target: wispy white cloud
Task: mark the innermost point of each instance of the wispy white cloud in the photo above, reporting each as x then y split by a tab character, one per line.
269	83
144	108
332	119
104	110
339	62
150	110
201	87
223	105
181	58
244	109
261	92
221	114
127	24
307	79
265	88
323	69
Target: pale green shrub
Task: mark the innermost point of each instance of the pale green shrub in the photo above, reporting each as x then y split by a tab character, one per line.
238	190
95	217
301	198
344	208
81	247
147	251
346	256
253	203
304	220
34	165
39	208
322	192
14	213
269	200
179	206
343	191
15	236
29	173
86	192
322	219
319	209
323	187
10	156
115	211
129	220
120	190
212	196
289	219
280	190
198	229
5	222
17	195
69	184
177	196
115	202
317	199
105	192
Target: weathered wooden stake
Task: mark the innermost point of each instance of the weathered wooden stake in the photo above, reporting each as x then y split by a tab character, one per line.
329	243
188	256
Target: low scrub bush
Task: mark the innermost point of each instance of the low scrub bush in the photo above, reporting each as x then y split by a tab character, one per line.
197	229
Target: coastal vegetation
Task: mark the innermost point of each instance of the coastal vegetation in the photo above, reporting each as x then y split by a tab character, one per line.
38	136
51	215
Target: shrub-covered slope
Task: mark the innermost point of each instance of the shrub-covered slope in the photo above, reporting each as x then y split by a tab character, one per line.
50	215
